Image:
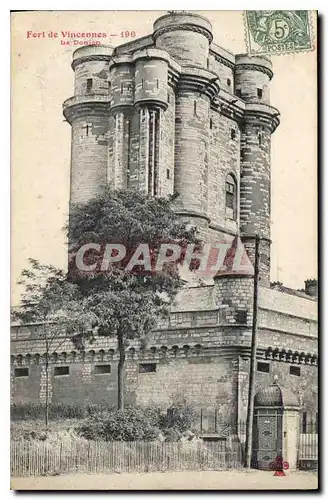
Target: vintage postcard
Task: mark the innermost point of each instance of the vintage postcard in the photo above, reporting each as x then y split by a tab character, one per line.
164	250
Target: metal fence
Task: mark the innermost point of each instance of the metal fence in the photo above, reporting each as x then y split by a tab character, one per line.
308	446
30	458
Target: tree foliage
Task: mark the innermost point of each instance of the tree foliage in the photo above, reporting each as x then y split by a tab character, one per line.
113	302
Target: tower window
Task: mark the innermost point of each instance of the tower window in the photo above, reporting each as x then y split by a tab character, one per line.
102	369
193	319
147	368
142	83
233	134
263	367
89	84
231	197
21	372
241	316
168	173
195	108
228	82
295	370
260	136
168	97
238	92
259	93
211	123
222	315
87	129
61	370
157	83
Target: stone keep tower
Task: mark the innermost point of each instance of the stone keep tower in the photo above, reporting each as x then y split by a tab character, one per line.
142	118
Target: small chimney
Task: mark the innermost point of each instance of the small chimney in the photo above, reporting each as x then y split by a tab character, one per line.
311	287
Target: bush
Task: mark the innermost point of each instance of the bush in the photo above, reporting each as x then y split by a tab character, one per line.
139	424
102	422
180	417
132	424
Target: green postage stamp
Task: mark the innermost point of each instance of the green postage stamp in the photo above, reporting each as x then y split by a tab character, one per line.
278	31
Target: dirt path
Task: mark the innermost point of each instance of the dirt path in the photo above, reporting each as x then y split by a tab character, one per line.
207	480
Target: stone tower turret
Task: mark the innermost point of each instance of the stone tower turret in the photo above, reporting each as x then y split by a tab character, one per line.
252	78
187	37
87	112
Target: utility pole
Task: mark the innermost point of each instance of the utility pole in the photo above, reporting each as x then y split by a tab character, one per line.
252	368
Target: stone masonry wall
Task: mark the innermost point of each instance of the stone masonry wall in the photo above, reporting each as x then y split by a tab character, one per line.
186	47
191	151
167	137
224	160
88	157
225	72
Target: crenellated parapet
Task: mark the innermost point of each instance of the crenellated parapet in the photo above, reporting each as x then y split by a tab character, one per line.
156	352
290	356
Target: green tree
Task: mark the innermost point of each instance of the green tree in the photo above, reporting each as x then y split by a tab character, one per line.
108	300
52	304
127	303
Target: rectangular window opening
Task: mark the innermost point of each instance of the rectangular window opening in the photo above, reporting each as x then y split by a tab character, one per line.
241	316
101	369
147	368
89	84
195	108
263	367
228	82
21	372
259	93
233	134
61	370
230	200
222	315
168	173
295	370
193	319
211	123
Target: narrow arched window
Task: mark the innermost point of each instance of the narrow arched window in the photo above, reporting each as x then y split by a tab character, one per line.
231	197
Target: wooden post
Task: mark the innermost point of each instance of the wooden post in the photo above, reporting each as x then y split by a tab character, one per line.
252	368
120	372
